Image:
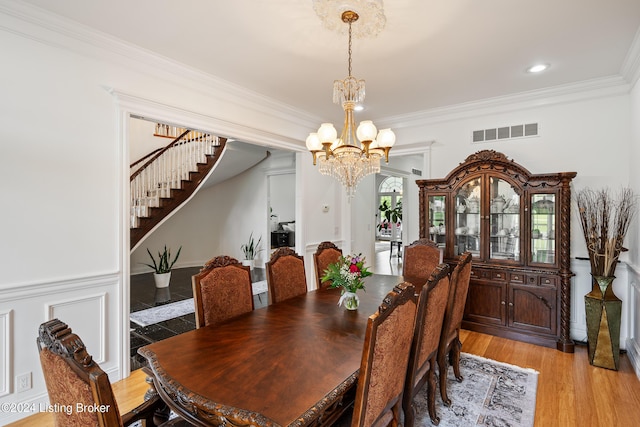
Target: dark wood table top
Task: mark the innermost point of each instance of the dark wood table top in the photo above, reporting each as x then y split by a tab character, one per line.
284	364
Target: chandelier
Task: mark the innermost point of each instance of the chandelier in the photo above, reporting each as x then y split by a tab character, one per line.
343	158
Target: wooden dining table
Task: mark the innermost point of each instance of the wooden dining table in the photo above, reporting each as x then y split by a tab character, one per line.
294	363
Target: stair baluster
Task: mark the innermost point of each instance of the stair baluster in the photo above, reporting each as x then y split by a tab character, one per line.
169	177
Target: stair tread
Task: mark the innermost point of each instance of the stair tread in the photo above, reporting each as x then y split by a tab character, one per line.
160	201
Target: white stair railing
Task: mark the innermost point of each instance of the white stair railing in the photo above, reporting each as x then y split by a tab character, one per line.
166	170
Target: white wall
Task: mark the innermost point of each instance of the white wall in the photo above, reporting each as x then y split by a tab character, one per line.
633	239
314	191
63	167
282	196
61	246
142	141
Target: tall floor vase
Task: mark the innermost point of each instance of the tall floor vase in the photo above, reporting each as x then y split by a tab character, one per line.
603	310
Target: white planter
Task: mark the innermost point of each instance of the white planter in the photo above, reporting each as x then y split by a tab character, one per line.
162	280
248	262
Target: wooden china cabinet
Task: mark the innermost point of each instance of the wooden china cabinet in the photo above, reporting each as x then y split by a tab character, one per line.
516	225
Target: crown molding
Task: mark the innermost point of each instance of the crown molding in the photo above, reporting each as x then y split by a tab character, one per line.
631	65
411	148
574	92
53	30
59	32
152	109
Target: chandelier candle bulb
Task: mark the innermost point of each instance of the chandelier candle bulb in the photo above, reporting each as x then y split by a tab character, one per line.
314	145
327	133
366	131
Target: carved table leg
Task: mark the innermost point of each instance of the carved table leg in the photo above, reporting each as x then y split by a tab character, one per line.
161	415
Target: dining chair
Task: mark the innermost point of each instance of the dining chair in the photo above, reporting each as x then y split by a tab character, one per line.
76	384
286	276
327	253
432	302
450	344
221	290
385	358
420	258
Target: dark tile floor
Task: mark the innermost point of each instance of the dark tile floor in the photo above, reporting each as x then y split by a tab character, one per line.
145	295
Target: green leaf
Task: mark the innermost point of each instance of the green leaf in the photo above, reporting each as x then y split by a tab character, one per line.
163	265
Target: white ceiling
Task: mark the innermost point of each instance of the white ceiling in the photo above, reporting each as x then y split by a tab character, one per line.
432	53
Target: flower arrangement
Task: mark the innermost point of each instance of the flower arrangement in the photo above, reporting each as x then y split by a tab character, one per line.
605	222
347	274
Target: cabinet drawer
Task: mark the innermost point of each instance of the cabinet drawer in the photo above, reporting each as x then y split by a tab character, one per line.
499	276
548	281
481	274
551	281
517	278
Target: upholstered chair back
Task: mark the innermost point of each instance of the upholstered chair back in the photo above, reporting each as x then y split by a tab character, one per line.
73	378
450	344
80	392
432	302
420	259
221	290
327	253
286	276
385	359
460	278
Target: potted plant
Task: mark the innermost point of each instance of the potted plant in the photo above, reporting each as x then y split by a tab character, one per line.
162	267
605	222
389	215
251	250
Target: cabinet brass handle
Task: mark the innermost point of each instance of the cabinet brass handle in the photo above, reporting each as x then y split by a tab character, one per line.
502	302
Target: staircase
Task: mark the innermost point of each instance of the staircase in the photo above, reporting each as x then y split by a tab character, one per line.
168	178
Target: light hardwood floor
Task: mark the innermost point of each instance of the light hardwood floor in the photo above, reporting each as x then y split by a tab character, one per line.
570	391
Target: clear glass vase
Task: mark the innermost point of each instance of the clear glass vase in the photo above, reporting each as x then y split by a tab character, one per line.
350	300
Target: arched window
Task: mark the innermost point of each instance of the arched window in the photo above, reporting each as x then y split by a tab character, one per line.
391	184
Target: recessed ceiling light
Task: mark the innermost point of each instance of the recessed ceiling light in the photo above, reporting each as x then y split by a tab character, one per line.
537	68
358	107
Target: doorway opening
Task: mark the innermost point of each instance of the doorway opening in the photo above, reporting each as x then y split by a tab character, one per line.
389	220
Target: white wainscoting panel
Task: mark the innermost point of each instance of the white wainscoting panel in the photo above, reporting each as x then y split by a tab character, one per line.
580	286
86	316
5	352
633	342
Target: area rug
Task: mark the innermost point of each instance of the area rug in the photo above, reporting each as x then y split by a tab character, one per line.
491	394
161	313
164	312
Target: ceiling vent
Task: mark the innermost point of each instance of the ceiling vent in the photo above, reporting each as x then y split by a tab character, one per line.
416	172
505	132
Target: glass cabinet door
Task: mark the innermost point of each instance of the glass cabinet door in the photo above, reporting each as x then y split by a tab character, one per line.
437	216
504	220
467	218
543	226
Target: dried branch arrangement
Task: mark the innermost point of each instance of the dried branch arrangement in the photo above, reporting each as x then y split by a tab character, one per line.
605	221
